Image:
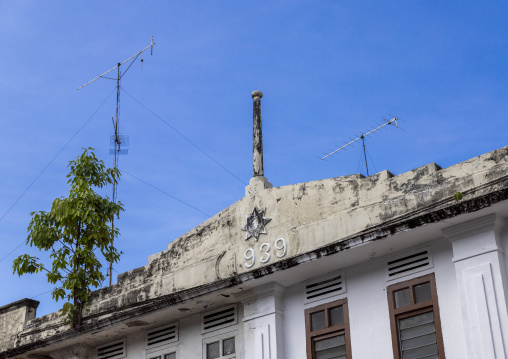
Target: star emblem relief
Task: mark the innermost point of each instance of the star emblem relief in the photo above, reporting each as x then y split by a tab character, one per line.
255	223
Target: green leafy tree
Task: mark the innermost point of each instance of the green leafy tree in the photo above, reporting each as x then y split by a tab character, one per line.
76	231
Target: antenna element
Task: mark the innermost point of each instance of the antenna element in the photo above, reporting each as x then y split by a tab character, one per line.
118	139
121	63
362	137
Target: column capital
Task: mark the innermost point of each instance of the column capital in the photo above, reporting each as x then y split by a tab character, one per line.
490	222
267	290
475	237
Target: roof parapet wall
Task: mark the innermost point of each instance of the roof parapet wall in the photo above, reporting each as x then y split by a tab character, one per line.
308	216
12	318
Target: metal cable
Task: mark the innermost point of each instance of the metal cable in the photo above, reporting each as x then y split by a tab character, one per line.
370	158
38	295
128	67
183	136
49	163
160	190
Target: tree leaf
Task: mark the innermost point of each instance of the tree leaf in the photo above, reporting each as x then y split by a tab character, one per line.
75	226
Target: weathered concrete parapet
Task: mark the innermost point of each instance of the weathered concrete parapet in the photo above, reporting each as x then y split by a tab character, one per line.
12	319
307	221
308	216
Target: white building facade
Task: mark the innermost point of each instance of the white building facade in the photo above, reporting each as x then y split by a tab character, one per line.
352	267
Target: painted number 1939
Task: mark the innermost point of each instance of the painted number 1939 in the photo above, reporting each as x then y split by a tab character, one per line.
264	252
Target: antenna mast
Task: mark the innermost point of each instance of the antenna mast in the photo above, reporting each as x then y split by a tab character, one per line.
362	137
117	138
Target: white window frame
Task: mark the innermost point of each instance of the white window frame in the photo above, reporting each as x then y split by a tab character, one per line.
160	351
220	337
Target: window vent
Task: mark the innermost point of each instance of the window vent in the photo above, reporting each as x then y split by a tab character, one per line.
220	318
161	336
113	350
409	263
325	287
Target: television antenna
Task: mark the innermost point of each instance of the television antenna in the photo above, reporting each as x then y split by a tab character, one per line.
362	137
118	140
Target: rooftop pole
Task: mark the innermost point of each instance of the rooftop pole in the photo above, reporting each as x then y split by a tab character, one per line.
258	182
257	136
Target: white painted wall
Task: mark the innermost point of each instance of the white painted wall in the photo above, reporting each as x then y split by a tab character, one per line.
191	341
368	313
368	308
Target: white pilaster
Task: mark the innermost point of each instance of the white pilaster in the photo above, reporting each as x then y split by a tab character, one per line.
263	322
481	276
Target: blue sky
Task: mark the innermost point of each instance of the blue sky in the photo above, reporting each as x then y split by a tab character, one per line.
329	70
